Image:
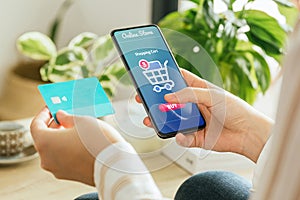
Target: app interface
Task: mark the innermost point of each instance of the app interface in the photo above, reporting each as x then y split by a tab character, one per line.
156	74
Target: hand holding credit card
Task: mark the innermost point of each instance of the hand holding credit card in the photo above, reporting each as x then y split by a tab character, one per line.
78	97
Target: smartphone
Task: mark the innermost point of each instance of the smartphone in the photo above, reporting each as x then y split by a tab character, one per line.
155	73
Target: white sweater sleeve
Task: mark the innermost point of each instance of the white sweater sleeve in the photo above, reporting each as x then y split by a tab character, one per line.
278	173
261	162
119	173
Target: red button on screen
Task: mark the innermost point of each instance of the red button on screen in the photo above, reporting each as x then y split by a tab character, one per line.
170	106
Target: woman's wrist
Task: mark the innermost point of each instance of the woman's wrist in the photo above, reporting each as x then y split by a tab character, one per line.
256	136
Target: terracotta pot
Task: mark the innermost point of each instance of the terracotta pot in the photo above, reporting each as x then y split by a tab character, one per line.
20	97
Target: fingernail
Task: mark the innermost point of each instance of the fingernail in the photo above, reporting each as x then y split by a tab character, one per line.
170	96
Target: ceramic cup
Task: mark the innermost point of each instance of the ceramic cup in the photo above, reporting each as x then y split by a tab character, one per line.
12	138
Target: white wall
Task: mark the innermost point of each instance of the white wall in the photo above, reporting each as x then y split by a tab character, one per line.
98	16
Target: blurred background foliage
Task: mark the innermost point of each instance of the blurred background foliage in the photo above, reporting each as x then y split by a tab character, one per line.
237	40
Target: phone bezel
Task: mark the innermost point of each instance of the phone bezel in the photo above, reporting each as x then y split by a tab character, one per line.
160	134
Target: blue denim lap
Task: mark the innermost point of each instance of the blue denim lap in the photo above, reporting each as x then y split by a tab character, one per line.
214	185
89	196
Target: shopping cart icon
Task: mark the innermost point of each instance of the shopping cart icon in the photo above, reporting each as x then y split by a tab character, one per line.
157	75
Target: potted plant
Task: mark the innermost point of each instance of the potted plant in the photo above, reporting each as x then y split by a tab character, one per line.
237	41
86	55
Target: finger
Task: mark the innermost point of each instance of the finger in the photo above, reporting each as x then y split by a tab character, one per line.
190	94
193	80
41	120
206	113
147	122
185	140
66	120
196	139
190	140
53	124
138	99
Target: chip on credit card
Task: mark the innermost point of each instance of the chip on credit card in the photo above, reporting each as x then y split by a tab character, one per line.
78	97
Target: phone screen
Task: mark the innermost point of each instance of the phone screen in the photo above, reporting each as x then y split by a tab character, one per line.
155	73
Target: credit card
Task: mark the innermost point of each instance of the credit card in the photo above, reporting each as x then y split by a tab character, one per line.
78	97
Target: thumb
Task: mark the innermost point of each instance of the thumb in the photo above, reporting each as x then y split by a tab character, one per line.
185	140
65	119
190	94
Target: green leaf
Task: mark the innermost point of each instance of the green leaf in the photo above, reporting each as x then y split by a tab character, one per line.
270	49
290	13
262	71
83	40
261	67
245	89
277	57
244	60
230	79
109	91
178	42
285	3
108	87
85	71
55	26
211	18
68	65
103	49
44	71
195	1
58	75
242	45
174	21
244	73
118	72
199	18
104	78
71	56
265	31
36	45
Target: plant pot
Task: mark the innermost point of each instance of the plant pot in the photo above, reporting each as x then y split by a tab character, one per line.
20	97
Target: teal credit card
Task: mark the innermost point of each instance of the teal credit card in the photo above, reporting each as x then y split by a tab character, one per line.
78	97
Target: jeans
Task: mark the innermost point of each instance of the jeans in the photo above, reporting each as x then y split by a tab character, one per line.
214	185
89	196
211	185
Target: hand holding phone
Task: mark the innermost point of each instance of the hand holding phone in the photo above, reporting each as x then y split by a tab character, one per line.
155	73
